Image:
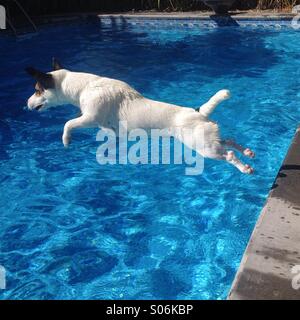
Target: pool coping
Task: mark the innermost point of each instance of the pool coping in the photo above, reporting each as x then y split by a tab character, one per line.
265	272
201	20
203	15
148	15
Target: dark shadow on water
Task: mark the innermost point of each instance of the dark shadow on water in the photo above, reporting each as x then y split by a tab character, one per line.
213	52
290	167
281	174
224	20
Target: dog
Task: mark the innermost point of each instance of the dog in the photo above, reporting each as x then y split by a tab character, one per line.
104	102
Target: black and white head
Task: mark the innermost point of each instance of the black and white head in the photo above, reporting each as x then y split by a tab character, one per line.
45	95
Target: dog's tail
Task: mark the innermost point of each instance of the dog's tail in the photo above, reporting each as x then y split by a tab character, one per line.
210	105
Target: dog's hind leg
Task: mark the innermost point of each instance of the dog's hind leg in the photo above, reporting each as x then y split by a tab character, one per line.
230	157
211	104
218	152
232	144
80	122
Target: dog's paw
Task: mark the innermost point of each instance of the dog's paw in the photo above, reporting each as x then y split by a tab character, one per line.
249	153
248	169
223	94
66	140
230	156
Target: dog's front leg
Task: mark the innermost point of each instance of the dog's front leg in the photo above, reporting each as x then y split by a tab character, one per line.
83	121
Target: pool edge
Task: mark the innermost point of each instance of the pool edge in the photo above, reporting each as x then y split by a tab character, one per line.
265	272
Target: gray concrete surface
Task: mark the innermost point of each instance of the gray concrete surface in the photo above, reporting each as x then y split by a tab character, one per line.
274	248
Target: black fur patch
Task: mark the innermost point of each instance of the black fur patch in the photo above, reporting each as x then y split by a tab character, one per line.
45	80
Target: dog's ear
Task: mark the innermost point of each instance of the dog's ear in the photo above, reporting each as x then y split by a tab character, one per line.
44	79
56	65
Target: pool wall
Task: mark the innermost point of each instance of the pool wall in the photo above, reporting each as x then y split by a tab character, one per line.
199	21
271	263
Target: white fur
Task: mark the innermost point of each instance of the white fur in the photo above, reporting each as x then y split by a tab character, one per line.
104	102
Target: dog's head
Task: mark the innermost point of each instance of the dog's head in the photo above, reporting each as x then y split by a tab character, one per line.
46	94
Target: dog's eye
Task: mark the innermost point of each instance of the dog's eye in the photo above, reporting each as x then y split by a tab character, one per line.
37	92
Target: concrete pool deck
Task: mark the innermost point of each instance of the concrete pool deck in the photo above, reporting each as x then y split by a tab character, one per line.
265	272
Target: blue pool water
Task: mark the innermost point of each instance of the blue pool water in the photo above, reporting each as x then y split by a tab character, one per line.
72	229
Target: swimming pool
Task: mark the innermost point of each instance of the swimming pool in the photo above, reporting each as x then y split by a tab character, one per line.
72	229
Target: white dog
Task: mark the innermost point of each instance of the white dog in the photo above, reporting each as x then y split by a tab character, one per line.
105	102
